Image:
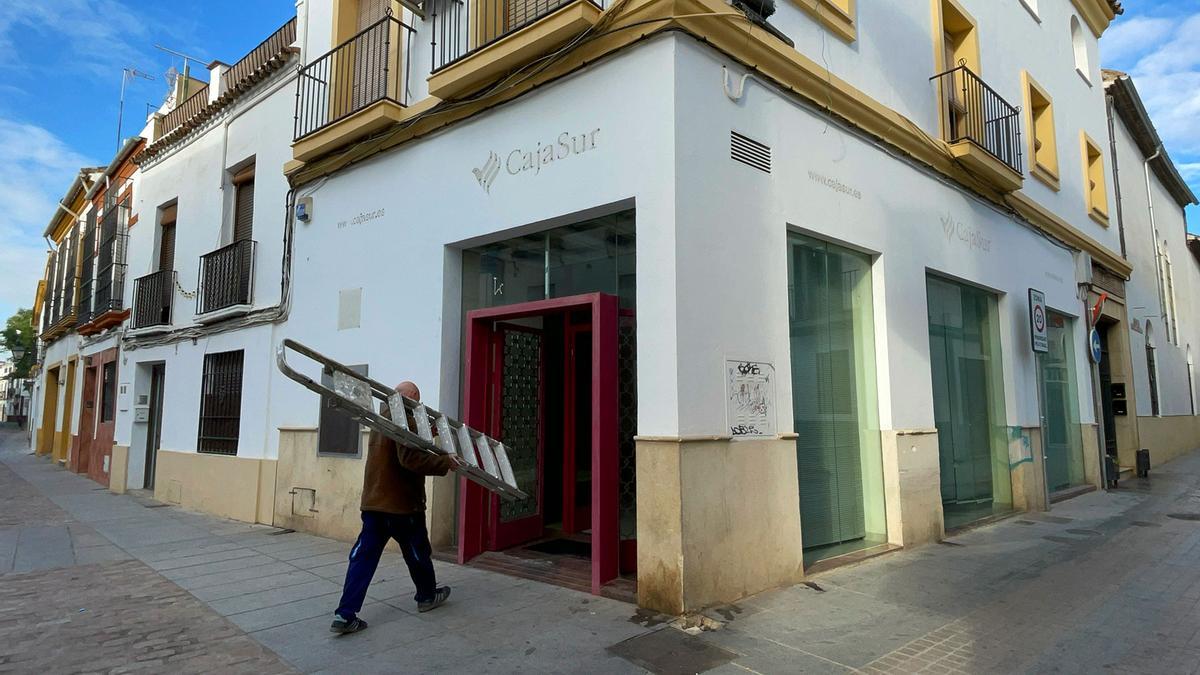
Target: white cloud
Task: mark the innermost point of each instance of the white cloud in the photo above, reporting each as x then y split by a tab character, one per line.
1127	38
36	168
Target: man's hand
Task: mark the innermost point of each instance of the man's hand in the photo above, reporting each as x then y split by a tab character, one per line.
457	463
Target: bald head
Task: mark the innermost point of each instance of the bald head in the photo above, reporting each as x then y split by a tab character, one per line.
409	390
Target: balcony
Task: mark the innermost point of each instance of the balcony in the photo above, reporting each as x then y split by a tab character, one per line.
226	281
363	81
477	41
152	295
251	68
982	129
102	299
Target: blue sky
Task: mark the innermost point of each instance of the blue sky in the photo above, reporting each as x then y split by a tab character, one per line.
60	80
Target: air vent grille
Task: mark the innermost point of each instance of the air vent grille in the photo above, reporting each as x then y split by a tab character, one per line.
749	152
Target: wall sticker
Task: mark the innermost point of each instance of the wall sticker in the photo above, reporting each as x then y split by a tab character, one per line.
750	398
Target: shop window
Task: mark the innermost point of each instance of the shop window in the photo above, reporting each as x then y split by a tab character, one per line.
1079	46
1043	148
337	433
838	16
1094	187
221	403
108	392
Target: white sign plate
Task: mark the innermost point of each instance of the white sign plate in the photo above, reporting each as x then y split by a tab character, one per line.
750	398
1037	322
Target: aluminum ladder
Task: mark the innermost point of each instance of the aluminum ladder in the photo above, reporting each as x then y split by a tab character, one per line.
485	458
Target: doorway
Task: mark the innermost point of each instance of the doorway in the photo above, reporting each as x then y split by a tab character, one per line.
87	420
542	377
154	422
1061	436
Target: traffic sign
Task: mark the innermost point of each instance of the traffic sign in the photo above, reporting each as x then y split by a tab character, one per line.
1039	337
1094	345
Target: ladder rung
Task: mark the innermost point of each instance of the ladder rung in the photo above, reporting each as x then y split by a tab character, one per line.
397	411
352	389
505	467
465	447
445	436
421	416
485	455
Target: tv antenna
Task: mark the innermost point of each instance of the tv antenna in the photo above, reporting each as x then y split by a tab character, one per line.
186	68
126	75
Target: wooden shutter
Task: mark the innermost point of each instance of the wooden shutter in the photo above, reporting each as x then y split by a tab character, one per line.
166	249
243	210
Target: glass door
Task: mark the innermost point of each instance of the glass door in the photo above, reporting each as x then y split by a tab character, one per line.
1061	435
833	398
964	355
517	419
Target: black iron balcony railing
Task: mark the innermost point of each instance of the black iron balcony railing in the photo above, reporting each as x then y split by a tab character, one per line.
974	112
369	67
226	277
461	27
110	290
271	48
87	272
152	296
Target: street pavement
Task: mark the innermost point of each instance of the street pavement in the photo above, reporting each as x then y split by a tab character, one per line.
95	582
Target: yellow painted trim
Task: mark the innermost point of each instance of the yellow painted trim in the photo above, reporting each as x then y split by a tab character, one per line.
1096	209
374	117
1097	14
836	15
1046	172
711	22
509	52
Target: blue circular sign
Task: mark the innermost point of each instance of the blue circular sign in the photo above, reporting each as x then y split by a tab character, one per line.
1094	344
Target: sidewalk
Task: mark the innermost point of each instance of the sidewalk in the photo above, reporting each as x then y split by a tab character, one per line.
1107	581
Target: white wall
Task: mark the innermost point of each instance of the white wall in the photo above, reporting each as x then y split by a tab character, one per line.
732	274
406	262
1143	289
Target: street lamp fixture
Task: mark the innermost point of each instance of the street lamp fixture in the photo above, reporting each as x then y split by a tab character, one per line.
17	353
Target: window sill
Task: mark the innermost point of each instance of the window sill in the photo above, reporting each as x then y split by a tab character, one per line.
1046	176
1098	216
832	17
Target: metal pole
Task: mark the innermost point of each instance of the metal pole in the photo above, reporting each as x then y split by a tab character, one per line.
1097	400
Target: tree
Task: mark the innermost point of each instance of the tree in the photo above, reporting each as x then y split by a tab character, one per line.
18	334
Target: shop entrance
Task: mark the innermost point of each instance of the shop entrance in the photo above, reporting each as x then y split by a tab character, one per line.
542	377
1061	435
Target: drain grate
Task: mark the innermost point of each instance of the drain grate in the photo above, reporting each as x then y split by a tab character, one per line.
1142	523
813	586
1059	540
156	505
1185	516
1085	533
672	652
1025	522
276	533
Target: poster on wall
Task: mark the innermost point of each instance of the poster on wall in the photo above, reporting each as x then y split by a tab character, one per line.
750	398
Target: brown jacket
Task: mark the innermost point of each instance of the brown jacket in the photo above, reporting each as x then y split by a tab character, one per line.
395	476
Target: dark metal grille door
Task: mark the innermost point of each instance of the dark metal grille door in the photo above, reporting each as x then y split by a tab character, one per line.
221	403
521	423
627	425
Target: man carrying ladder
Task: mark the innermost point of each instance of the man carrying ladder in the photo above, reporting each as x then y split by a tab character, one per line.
393	507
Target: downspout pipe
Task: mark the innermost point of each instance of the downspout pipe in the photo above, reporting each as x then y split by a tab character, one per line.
1158	272
1112	142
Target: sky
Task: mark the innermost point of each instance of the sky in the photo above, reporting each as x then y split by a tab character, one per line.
61	67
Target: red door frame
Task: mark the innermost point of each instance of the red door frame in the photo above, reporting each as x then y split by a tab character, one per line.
87	417
473	521
505	535
102	442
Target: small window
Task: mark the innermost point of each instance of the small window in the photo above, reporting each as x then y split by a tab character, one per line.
1079	45
108	392
243	204
1152	374
1043	146
1094	187
337	433
166	239
221	403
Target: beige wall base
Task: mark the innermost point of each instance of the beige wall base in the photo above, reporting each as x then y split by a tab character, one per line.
321	494
1167	437
1091	455
118	474
912	486
717	520
1027	465
231	487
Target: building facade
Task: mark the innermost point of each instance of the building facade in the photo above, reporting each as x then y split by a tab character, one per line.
746	297
1164	288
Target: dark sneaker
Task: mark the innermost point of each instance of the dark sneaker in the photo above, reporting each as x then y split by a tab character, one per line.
440	596
342	626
